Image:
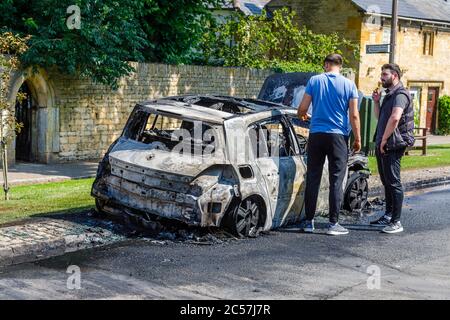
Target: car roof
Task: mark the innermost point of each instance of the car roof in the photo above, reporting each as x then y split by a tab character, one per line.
210	108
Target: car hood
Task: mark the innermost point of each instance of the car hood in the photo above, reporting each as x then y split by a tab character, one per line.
140	157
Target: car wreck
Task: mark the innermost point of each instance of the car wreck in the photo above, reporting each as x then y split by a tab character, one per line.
215	161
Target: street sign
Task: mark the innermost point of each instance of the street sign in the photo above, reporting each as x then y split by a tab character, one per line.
378	48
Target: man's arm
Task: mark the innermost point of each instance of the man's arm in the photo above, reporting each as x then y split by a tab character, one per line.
304	105
355	122
391	125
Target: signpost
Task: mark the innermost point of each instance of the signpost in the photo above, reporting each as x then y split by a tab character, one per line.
378	48
394	30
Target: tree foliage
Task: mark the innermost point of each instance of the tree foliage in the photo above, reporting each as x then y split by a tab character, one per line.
272	42
174	29
10	47
109	36
112	33
444	115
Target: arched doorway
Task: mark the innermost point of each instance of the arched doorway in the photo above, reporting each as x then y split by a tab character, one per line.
38	141
24	116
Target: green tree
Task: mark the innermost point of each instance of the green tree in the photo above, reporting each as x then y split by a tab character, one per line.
112	33
109	36
175	28
272	42
10	47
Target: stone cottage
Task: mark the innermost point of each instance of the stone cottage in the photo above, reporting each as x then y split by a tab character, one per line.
422	51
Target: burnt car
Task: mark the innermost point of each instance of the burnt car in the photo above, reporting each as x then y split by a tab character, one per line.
215	161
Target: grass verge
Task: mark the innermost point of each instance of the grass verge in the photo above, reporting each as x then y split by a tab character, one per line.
43	199
438	156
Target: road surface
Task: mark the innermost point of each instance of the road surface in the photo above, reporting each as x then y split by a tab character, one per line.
283	264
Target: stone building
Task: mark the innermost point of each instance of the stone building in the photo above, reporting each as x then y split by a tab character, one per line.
247	7
68	118
233	8
423	42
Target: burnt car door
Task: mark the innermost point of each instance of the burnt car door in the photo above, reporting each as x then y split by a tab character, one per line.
301	129
279	161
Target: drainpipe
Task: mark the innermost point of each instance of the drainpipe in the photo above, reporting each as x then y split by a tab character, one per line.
394	30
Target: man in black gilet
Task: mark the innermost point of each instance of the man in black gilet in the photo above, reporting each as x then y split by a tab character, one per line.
394	134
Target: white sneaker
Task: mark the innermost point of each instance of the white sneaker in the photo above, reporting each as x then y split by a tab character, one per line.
337	230
395	227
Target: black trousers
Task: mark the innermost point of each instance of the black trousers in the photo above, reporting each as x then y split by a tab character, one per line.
389	170
335	148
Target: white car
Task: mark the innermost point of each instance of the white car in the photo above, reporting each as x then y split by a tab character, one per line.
215	161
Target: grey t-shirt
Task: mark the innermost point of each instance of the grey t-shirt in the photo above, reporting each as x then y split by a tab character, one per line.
401	101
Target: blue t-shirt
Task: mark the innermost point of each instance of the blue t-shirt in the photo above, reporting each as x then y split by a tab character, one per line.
331	94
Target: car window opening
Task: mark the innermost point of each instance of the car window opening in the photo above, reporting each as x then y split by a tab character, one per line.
301	130
271	139
167	133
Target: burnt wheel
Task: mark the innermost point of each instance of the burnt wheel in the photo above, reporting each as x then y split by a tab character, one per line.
356	193
244	220
99	212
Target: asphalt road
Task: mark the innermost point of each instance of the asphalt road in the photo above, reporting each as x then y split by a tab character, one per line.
283	264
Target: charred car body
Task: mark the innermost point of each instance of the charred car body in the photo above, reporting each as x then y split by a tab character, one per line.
215	161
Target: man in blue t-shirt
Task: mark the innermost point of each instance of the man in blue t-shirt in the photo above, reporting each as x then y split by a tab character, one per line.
335	105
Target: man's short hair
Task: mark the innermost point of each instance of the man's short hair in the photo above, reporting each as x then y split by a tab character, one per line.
393	67
334	59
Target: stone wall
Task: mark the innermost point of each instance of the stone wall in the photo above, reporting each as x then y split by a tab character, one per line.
92	116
